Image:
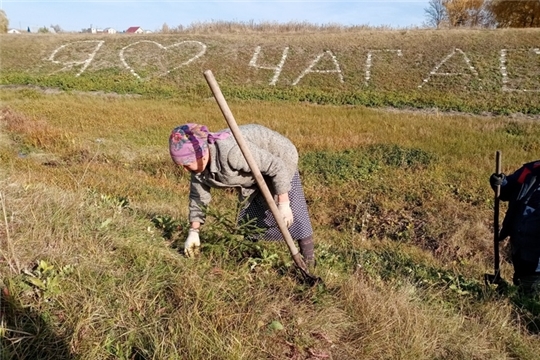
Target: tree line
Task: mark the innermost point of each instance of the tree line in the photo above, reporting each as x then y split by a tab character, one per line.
4	23
483	13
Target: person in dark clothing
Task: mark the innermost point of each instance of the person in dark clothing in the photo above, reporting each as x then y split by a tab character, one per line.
522	222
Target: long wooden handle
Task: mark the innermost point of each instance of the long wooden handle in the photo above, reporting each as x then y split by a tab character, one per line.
254	168
496	216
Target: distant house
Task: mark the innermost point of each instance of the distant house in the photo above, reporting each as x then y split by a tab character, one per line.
135	30
14	31
109	31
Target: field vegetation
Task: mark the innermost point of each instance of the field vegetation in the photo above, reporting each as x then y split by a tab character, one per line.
476	71
94	213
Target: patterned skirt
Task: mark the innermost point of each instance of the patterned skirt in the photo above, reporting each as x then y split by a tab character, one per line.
258	209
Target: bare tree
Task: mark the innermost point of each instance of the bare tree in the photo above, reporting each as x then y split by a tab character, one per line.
481	16
471	13
165	28
435	13
57	28
4	22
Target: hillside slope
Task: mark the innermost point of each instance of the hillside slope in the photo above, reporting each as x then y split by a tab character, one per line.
496	71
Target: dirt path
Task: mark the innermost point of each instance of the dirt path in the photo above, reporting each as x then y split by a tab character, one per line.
515	116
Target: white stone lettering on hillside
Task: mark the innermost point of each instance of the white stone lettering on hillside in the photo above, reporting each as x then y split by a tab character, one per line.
369	61
448	57
71	64
201	52
504	71
309	69
277	69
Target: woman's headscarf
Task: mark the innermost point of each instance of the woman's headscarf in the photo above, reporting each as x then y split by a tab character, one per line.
189	142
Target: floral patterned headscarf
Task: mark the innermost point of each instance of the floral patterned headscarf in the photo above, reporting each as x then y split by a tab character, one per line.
189	142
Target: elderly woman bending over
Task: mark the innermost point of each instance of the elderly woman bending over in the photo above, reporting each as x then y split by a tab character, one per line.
216	161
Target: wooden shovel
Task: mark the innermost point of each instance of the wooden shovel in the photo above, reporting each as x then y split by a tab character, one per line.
297	257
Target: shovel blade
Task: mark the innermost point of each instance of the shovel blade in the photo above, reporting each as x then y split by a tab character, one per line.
501	286
492	279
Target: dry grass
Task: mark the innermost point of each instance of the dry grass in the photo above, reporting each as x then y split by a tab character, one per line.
93	212
402	249
249	27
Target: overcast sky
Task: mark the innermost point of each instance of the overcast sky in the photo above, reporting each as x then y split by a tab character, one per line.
74	15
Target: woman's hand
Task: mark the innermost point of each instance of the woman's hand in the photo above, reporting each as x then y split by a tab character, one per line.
193	243
284	207
286	213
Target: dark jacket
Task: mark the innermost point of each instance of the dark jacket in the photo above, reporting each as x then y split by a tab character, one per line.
523	230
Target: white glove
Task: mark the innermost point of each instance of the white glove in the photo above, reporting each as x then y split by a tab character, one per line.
286	212
193	244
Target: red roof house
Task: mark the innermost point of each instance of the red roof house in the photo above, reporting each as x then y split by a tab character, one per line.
135	30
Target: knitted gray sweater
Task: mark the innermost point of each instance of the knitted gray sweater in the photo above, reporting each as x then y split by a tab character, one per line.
275	155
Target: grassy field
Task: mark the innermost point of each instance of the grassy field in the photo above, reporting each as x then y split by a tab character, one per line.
94	213
464	70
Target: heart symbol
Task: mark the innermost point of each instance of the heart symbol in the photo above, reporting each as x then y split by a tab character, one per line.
157	61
